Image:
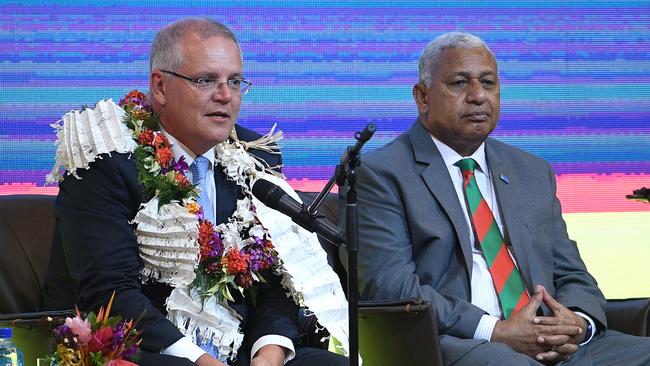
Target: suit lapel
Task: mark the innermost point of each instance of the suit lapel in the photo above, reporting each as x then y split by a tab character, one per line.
507	185
227	194
435	176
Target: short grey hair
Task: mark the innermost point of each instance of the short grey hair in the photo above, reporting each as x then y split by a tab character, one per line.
430	56
166	47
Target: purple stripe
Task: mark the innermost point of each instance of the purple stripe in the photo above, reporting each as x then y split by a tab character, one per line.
26	176
640	167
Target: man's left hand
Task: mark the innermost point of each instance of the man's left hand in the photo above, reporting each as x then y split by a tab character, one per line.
562	316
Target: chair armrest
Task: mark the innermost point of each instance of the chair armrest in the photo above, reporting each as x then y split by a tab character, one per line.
631	316
35	319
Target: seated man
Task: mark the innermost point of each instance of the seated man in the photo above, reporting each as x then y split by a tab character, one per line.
473	225
189	153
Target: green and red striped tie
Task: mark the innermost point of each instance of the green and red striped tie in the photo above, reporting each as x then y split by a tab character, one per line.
505	275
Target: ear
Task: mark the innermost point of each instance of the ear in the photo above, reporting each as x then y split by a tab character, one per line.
420	96
157	87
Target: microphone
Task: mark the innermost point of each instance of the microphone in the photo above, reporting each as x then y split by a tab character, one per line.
277	199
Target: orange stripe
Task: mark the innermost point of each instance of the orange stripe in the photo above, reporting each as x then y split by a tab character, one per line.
523	300
482	220
501	268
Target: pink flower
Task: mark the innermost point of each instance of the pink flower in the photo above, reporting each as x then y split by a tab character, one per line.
80	328
119	363
101	340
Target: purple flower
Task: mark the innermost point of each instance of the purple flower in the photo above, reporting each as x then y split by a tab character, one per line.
217	245
180	165
130	352
63	331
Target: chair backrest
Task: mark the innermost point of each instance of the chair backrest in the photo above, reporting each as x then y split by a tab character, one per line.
26	226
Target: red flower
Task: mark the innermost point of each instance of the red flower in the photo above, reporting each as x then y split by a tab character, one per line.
146	137
244	280
214	268
135	94
235	262
132	99
164	156
206	232
101	340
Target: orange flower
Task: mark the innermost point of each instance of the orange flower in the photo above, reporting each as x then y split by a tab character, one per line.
164	156
182	180
205	232
160	141
140	114
235	261
193	207
146	137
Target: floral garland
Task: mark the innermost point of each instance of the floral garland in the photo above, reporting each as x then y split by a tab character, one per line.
231	255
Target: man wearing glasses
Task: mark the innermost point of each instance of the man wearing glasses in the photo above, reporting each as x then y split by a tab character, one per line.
196	87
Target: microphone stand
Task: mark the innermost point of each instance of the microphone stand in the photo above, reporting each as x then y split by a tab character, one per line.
346	172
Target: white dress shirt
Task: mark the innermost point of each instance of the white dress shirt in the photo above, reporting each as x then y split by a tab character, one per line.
184	346
483	293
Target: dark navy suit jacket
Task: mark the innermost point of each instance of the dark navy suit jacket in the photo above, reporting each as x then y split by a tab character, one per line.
94	252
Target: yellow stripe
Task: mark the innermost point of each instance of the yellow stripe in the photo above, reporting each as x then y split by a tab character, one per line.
615	246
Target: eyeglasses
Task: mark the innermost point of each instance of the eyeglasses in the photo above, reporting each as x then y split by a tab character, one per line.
241	86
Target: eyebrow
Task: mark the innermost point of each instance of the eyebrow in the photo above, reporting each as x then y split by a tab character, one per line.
213	75
468	74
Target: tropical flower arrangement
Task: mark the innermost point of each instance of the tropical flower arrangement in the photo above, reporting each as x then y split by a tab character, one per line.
97	340
232	255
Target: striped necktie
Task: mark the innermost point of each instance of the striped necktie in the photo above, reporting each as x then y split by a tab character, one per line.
505	275
199	169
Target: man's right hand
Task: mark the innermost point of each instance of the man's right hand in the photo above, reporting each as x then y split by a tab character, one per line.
207	360
522	335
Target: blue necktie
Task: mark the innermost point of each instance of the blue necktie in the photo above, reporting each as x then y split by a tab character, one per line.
199	169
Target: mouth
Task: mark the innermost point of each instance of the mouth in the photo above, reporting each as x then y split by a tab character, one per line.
219	115
478	116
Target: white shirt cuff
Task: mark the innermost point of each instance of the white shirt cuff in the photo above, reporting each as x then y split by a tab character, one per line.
485	327
593	327
185	348
278	340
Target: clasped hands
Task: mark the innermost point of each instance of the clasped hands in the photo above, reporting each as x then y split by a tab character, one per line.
547	339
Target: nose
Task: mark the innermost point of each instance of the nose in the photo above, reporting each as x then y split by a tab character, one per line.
475	92
222	93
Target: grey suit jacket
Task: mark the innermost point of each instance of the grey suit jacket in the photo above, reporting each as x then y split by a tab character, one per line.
414	240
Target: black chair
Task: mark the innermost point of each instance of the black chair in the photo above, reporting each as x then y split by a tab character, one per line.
26	226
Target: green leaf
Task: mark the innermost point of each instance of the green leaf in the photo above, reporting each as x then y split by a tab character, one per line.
114	320
92	319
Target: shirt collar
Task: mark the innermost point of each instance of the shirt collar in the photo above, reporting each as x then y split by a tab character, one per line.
450	156
178	149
